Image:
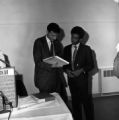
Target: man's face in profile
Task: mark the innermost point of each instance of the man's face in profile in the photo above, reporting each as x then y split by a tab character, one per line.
75	39
52	35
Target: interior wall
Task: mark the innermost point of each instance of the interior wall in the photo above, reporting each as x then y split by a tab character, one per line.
22	21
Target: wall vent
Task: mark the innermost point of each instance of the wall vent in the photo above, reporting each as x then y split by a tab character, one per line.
108	73
108	82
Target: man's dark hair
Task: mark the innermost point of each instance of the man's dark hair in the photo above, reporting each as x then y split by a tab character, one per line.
53	27
78	30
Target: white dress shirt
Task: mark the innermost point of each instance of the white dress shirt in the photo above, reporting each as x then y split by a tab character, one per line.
73	48
48	42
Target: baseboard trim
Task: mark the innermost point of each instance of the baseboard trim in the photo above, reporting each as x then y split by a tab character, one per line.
110	94
95	95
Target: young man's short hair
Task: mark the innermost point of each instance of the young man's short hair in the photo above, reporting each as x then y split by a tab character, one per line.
78	30
53	27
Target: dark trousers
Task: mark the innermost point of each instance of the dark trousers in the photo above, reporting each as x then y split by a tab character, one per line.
81	99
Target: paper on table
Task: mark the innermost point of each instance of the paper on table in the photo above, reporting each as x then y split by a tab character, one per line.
49	104
56	59
28	102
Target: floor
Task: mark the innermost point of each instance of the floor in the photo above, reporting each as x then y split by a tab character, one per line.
106	108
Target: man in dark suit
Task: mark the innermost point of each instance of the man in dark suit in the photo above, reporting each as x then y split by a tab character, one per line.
81	62
49	78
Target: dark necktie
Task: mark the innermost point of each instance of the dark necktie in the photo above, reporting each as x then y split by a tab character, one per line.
52	49
74	56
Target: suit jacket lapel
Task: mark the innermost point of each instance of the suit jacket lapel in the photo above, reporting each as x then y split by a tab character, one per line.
45	47
70	53
78	53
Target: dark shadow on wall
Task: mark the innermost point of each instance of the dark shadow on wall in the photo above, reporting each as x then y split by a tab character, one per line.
20	87
61	35
93	71
60	38
95	68
85	38
7	61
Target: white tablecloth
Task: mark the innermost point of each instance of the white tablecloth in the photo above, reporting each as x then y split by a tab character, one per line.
52	110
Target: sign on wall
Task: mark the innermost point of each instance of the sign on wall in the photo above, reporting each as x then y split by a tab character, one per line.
7	85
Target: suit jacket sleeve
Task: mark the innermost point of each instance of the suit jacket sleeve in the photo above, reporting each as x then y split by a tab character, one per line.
89	64
66	56
37	54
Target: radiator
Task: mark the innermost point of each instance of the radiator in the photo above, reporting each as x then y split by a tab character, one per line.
109	84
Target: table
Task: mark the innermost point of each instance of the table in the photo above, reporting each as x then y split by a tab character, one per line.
52	110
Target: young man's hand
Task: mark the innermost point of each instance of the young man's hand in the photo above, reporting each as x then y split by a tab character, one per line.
69	73
76	73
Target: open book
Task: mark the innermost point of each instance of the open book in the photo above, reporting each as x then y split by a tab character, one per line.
56	59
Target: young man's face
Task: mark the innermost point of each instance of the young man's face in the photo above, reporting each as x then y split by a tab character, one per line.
52	35
75	39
